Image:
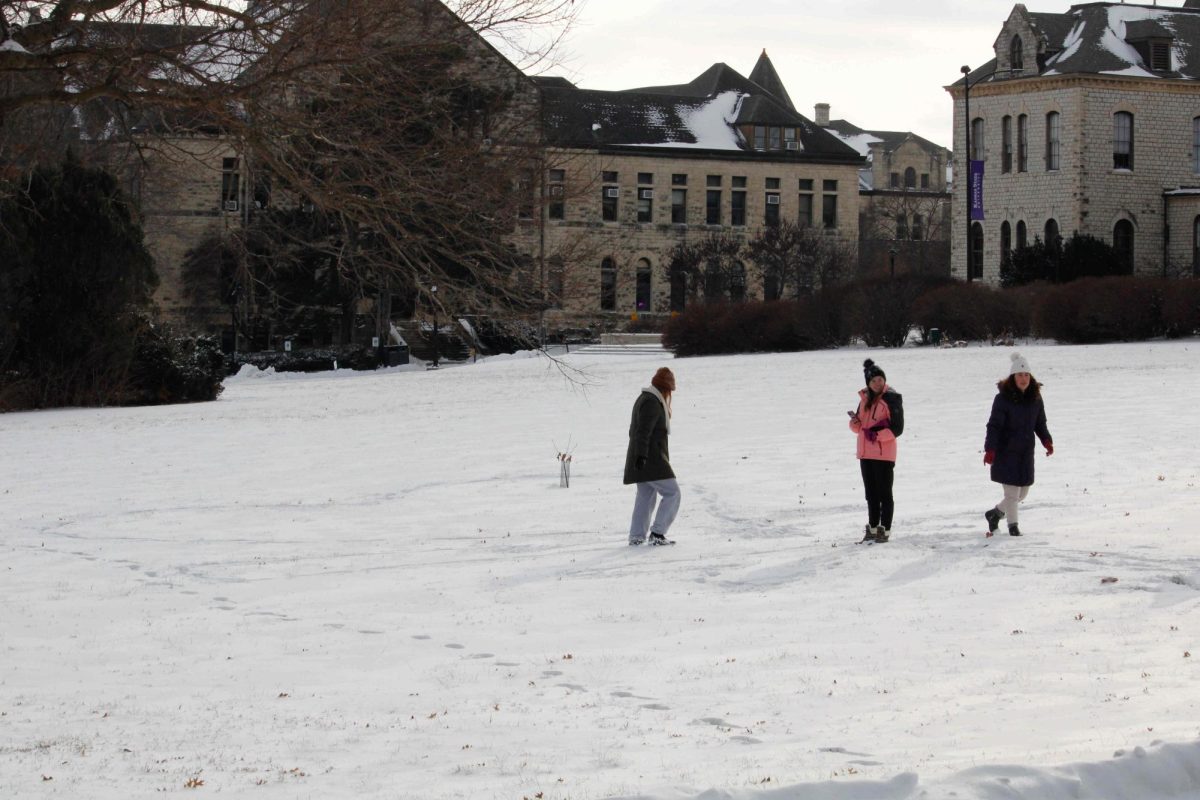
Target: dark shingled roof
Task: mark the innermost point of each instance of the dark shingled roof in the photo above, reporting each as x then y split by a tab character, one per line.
1098	38
764	75
665	117
891	139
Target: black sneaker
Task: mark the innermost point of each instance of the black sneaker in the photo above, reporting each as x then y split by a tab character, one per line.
993	517
1013	530
657	539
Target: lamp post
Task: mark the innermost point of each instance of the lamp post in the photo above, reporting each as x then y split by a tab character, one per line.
433	292
966	183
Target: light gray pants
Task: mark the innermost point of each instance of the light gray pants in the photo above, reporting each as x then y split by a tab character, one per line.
643	507
1013	496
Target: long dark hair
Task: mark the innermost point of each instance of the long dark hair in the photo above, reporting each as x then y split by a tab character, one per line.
1008	388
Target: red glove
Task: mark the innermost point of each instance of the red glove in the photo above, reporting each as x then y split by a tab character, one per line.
989	456
1049	448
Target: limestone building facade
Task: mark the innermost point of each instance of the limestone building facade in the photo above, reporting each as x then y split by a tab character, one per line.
1087	122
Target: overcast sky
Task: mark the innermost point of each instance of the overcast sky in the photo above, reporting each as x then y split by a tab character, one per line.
880	64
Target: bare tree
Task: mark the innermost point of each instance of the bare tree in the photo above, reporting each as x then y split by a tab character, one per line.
915	225
797	260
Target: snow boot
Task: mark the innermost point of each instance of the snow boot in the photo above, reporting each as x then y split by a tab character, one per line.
993	517
657	540
882	534
868	534
1013	530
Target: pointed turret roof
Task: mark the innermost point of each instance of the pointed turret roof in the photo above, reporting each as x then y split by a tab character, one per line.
764	75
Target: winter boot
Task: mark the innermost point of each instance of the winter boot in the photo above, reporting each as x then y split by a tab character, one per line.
635	542
657	539
882	534
1013	530
993	517
868	534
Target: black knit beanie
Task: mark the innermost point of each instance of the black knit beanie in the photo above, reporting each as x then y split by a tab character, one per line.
870	370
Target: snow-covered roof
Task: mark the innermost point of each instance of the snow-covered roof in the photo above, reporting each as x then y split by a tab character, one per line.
1110	39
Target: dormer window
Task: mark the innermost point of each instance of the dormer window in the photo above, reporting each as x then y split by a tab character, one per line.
1160	56
1016	60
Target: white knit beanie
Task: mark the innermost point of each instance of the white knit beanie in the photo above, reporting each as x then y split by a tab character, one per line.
1019	364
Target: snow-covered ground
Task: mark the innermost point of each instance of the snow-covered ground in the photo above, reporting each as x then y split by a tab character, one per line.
371	586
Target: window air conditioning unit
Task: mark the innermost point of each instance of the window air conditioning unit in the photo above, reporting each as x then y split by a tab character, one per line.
772	199
792	145
647	194
556	191
612	191
231	205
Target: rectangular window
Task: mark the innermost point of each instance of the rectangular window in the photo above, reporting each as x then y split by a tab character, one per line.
712	207
646	178
1122	140
645	205
1022	143
608	286
977	141
713	181
229	184
760	137
776	139
924	180
679	206
772	183
556	190
771	216
789	139
895	180
829	211
829	186
1160	56
806	184
1196	145
739	181
608	177
678	180
805	217
1006	144
525	197
1053	144
737	208
609	195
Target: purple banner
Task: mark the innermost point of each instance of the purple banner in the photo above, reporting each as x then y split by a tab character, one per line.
975	182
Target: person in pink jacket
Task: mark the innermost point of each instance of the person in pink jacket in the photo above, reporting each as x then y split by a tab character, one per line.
877	422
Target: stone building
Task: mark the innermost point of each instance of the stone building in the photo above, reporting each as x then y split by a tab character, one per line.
905	206
631	174
1086	121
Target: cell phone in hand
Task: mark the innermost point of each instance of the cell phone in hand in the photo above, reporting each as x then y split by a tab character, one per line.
850	414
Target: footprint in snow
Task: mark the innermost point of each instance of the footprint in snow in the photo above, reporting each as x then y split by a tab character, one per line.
656	707
371	633
481	655
422	636
551	673
745	739
574	687
455	646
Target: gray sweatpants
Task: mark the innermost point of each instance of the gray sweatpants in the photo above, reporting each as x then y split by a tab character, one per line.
1013	496
643	507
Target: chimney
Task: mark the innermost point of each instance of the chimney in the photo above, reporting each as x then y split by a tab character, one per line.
822	114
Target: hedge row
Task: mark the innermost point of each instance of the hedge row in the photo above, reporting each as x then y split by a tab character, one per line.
884	312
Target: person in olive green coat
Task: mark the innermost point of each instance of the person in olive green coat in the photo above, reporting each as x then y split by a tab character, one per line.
648	462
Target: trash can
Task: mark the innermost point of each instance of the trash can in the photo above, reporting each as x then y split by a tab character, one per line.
395	355
935	336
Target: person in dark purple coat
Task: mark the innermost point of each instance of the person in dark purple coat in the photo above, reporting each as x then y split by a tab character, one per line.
1018	414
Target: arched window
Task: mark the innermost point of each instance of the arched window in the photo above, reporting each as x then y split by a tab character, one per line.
910	178
737	281
1022	235
771	288
608	285
1005	244
1053	140
1016	56
1123	244
714	281
1122	140
975	267
902	226
977	142
918	228
1053	240
643	285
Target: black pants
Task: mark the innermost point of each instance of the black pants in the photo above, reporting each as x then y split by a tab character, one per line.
877	480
